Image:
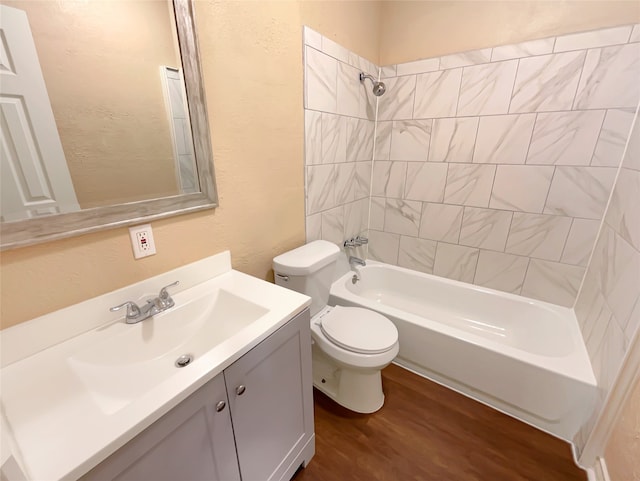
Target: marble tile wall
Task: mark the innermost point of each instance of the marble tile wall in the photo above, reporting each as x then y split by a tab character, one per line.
608	305
495	166
339	114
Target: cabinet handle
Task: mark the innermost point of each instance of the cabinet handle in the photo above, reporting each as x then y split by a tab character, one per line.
220	406
240	390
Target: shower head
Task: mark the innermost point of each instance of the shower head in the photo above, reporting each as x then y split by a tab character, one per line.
378	87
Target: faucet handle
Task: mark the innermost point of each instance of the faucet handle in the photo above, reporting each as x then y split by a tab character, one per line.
362	240
164	300
164	294
133	310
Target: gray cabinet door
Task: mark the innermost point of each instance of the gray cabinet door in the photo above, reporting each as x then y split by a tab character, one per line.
270	394
192	442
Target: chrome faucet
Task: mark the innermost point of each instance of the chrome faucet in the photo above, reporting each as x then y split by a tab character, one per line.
356	241
356	261
154	306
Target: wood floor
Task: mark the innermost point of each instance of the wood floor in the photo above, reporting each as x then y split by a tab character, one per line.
426	432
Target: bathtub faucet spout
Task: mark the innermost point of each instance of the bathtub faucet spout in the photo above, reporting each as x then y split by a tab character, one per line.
353	261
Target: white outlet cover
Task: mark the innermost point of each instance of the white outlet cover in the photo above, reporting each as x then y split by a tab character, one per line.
142	241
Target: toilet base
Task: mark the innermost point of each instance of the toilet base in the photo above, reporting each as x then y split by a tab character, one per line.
359	390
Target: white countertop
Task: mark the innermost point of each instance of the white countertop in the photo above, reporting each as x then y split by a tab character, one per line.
57	428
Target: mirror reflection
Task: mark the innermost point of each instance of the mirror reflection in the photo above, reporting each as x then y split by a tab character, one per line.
101	116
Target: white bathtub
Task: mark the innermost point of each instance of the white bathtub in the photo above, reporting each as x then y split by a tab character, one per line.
520	356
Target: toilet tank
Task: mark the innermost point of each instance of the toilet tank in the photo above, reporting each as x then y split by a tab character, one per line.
308	269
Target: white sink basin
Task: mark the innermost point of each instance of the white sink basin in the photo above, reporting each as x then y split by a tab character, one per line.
79	383
125	364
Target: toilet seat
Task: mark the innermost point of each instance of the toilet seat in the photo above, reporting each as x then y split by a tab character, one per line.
359	330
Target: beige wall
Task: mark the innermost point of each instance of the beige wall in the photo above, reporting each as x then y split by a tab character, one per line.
252	60
622	453
354	24
108	102
411	30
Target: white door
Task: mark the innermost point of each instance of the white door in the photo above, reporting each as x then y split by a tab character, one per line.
34	177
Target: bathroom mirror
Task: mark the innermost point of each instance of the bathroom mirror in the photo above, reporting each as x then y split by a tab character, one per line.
160	135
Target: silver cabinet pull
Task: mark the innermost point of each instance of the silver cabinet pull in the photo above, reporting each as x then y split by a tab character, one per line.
240	390
220	406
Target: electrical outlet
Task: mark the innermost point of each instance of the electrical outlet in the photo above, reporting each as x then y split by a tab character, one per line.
142	241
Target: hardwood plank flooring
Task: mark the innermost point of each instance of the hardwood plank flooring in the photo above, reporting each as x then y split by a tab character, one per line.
426	432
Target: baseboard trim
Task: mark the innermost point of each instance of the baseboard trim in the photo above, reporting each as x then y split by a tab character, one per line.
598	472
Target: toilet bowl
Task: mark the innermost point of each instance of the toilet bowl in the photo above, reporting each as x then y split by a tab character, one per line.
351	345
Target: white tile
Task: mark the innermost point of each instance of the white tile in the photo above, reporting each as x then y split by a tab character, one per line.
635	34
320	188
536	235
402	216
580	241
410	140
623	214
333	225
312	137
388	71
547	82
335	50
473	57
356	215
590	308
363	65
367	102
453	140
633	324
552	282
376	220
437	94
383	140
504	272
612	138
631	158
441	222
397	103
345	178
313	227
486	89
425	181
389	179
359	139
504	139
469	184
485	228
312	38
596	38
348	90
455	262
418	66
521	187
333	139
610	78
621	277
524	49
363	179
580	191
383	246
565	138
321	78
417	254
613	354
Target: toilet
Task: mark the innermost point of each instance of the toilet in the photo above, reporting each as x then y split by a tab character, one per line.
351	345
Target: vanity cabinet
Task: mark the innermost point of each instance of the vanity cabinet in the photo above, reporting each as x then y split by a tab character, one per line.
253	422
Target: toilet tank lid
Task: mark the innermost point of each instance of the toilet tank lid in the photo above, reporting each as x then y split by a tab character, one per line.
306	259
